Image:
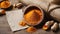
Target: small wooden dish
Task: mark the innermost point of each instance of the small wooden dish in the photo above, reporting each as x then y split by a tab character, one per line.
30	7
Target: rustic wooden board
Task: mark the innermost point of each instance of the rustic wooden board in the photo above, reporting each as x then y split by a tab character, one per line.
5	29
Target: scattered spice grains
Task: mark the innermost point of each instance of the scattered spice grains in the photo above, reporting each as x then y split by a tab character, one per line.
22	23
31	29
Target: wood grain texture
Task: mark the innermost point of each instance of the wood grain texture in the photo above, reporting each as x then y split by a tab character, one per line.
5	29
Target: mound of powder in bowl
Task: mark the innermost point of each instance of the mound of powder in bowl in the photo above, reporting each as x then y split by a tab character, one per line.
33	16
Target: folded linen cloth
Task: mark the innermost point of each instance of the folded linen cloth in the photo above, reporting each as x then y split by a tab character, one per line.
13	18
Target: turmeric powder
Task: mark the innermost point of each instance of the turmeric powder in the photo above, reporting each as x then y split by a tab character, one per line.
22	23
33	16
31	29
5	4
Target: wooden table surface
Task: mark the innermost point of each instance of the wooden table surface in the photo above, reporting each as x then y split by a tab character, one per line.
5	29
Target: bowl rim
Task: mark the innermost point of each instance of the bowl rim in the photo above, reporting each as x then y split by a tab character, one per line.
39	9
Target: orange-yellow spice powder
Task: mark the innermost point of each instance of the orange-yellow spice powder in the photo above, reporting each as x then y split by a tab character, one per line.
33	16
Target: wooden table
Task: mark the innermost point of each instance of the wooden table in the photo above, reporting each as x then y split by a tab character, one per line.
5	29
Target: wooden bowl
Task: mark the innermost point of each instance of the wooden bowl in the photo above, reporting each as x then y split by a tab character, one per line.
30	7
